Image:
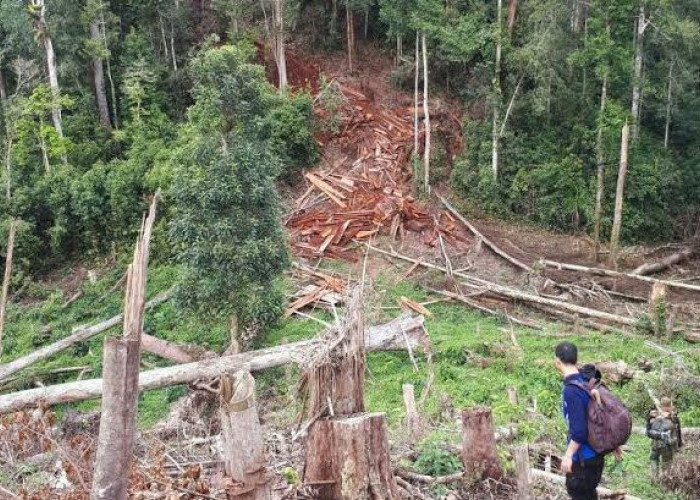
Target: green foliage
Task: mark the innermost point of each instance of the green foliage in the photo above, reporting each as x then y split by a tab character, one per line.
288	130
435	460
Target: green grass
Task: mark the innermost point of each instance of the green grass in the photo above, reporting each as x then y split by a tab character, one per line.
473	355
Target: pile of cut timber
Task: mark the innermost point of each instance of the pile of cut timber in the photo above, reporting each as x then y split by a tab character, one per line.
355	200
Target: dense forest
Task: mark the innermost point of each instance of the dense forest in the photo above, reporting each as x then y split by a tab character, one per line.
577	120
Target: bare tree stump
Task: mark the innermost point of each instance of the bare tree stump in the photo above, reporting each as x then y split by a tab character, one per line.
479	445
522	472
242	444
117	423
658	308
512	395
348	459
413	421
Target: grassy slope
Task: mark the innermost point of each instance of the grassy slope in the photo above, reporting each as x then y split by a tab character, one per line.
460	339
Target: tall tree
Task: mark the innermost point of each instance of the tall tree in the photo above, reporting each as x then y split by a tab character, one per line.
641	25
497	91
619	195
426	111
41	30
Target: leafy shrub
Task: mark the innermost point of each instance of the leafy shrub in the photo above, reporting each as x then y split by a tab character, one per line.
435	460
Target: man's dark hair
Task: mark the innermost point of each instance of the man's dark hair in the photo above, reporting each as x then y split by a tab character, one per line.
567	353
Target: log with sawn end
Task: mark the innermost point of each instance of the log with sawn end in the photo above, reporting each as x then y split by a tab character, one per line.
387	337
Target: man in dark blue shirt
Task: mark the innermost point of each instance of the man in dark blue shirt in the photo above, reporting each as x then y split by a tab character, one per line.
581	464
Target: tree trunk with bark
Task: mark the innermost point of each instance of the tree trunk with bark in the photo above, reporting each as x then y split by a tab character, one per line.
99	78
512	13
413	420
279	42
388	337
495	142
426	121
658	308
665	263
415	98
348	459
350	32
3	86
8	167
6	278
669	102
243	448
112	88
641	25
479	453
600	169
117	422
619	195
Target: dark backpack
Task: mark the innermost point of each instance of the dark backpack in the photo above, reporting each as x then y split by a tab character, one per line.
609	421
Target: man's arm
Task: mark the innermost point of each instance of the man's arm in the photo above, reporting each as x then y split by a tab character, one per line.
578	426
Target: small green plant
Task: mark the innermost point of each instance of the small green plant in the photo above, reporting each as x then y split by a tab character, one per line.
435	460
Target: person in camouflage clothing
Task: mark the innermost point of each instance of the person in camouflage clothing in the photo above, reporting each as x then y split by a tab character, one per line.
664	430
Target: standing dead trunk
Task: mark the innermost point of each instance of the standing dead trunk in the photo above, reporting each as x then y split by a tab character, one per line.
512	13
117	423
479	445
619	195
53	81
122	358
364	35
163	40
99	77
600	168
350	25
497	93
426	121
399	49
641	24
6	278
415	97
243	448
669	101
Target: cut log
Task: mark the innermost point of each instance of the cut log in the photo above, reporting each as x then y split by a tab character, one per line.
387	337
174	352
557	479
348	459
687	432
243	449
78	335
522	472
479	454
665	263
597	271
483	238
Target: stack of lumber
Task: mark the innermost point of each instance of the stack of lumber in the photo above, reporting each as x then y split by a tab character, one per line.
355	200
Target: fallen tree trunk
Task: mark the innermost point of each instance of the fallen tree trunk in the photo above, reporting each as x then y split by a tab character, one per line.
385	337
597	271
486	241
687	432
665	263
78	335
479	307
557	479
517	294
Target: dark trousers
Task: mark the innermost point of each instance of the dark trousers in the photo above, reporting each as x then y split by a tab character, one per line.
584	479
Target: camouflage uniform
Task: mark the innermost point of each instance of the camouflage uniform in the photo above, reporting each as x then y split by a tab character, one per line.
664	429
